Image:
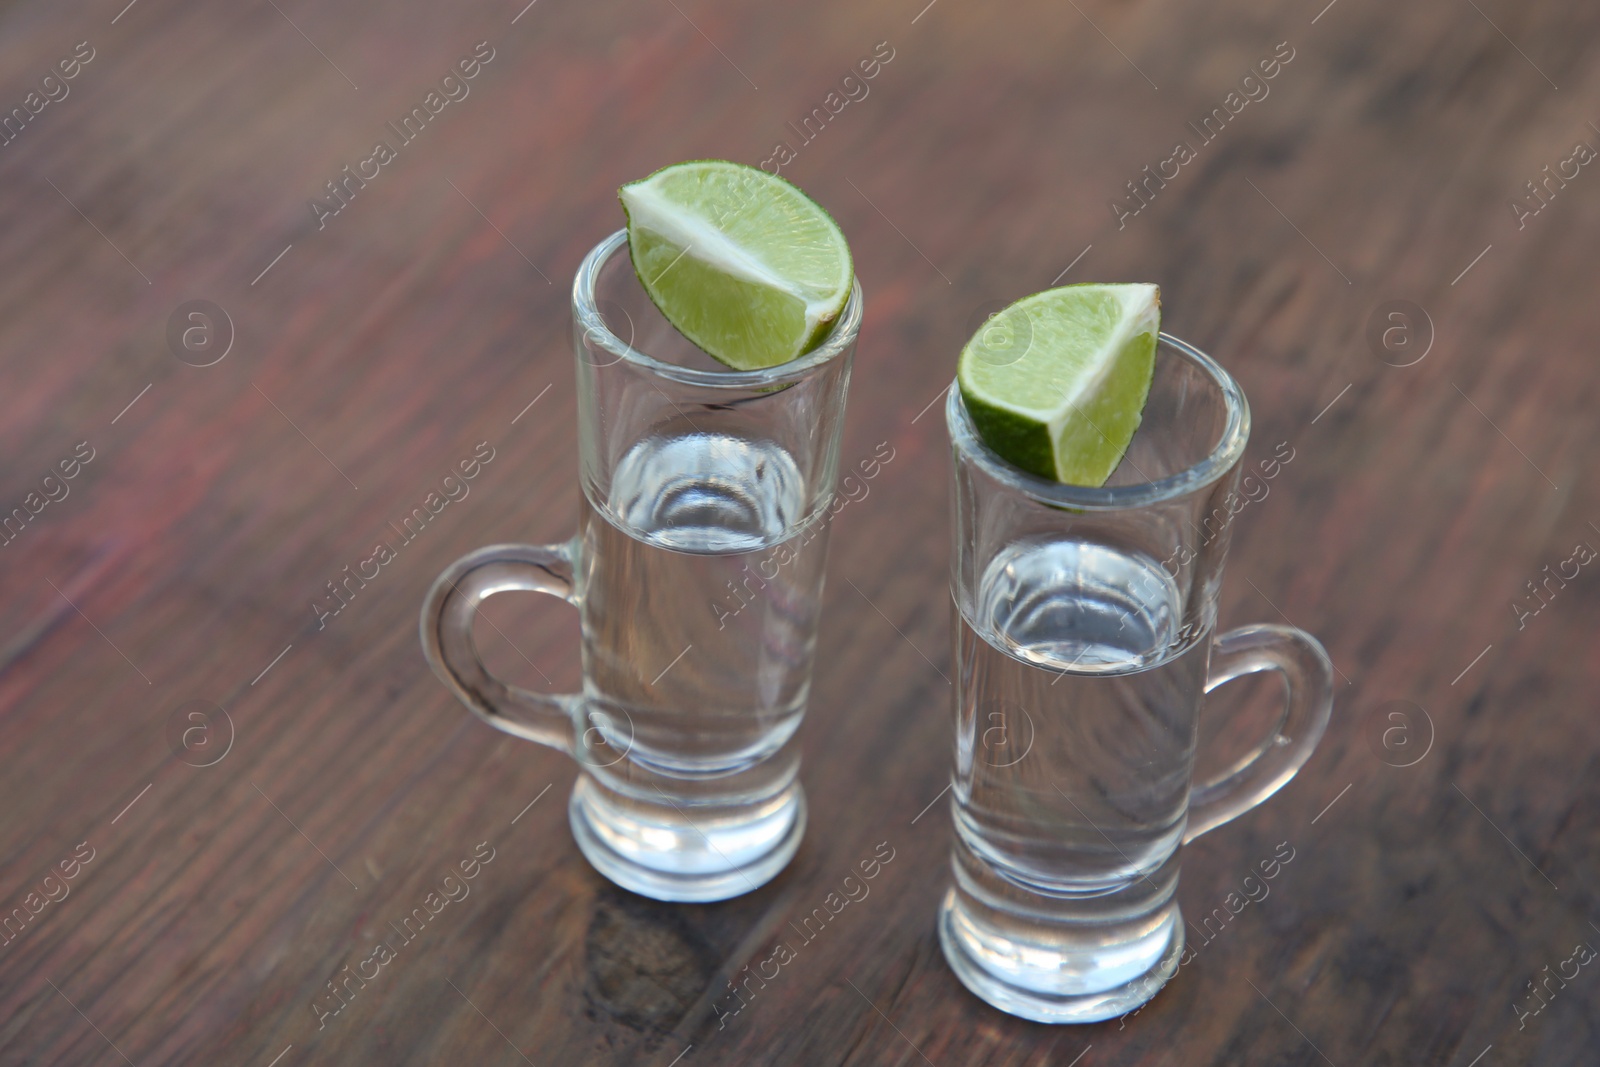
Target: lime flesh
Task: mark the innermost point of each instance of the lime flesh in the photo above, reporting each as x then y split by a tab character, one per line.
744	264
1056	383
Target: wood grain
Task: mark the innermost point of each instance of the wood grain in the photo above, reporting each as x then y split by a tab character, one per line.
420	320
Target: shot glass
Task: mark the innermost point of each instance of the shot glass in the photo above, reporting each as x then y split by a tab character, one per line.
1084	648
697	572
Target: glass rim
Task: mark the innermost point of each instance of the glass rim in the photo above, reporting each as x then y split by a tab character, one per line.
1227	452
586	314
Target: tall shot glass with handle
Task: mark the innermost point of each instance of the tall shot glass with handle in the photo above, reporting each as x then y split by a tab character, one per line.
1084	650
697	573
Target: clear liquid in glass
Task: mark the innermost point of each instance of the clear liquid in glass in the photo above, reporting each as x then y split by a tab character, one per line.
701	579
1075	746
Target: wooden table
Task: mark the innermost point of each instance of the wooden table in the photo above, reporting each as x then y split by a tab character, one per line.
1443	859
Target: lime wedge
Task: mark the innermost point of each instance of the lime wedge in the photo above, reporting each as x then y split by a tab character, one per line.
1056	383
741	262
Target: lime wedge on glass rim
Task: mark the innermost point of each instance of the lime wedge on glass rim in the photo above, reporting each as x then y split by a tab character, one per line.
1056	383
744	264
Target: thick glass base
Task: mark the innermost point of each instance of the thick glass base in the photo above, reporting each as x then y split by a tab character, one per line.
1040	978
678	853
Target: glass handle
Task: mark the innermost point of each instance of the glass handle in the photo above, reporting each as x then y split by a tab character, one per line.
1308	672
446	623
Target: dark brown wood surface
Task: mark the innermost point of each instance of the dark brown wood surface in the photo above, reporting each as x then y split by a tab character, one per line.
182	565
